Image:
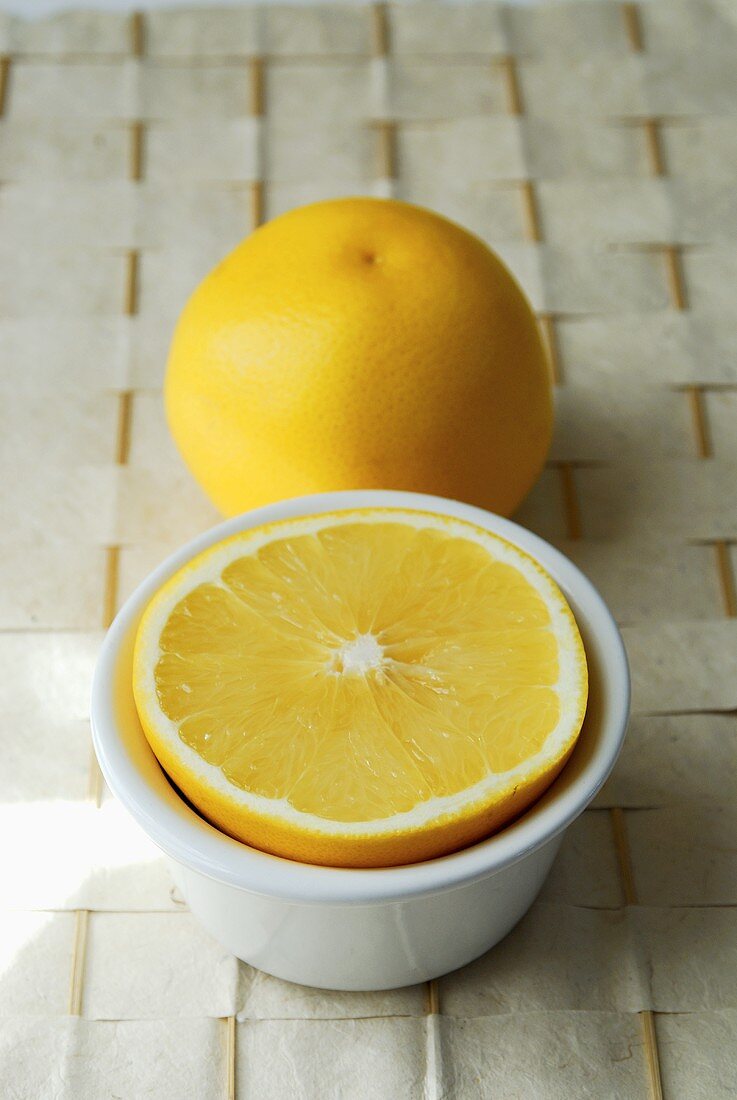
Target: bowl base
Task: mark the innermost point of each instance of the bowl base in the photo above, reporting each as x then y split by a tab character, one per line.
367	947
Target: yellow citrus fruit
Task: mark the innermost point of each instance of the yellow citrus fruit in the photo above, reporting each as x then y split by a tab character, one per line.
360	343
361	688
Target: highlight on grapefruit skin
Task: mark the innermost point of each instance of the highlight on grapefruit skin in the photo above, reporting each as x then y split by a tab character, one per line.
361	688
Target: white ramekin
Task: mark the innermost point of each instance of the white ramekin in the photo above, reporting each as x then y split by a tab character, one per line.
360	929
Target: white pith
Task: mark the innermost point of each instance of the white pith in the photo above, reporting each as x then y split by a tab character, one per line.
359	656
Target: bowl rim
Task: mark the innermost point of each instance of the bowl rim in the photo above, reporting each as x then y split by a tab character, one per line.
190	840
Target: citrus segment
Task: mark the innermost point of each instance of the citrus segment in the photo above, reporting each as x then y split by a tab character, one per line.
361	688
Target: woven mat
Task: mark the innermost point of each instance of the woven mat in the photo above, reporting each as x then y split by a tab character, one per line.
594	145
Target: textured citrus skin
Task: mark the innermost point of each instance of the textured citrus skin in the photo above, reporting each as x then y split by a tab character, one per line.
360	343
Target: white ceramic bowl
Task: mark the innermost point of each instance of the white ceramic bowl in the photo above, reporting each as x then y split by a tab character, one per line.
360	929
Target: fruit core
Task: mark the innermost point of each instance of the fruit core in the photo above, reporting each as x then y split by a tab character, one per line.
359	656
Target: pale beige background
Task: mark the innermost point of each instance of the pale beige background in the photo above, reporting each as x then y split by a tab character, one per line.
595	146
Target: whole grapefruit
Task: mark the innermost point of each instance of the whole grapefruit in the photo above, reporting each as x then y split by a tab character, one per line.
360	343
